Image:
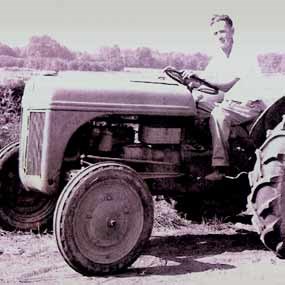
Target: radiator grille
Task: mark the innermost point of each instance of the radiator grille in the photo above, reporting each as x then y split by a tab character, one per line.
34	143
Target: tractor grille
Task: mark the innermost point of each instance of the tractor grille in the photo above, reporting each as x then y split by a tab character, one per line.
34	143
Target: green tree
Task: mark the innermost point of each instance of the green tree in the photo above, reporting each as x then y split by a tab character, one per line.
144	57
112	57
6	50
45	46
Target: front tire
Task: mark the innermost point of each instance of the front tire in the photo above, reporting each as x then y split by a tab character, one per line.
103	219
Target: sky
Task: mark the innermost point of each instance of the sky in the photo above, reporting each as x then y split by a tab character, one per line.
165	25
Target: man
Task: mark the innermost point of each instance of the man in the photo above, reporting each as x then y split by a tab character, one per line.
239	106
221	72
233	73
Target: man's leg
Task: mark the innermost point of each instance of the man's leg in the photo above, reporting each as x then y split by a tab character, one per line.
220	126
222	118
206	103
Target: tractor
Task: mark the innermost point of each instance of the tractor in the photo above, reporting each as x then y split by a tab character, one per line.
96	147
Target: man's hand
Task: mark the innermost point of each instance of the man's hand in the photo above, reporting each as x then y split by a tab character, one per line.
256	104
187	74
194	83
190	78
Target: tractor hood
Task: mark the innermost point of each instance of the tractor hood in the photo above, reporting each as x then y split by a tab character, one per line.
108	92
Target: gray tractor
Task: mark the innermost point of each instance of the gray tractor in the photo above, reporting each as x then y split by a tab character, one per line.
96	147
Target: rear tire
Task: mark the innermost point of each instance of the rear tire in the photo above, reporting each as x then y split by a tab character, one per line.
267	202
103	219
20	209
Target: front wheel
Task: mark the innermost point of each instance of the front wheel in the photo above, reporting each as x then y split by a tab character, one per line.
103	219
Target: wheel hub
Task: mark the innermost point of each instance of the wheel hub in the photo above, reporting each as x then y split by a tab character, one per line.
113	221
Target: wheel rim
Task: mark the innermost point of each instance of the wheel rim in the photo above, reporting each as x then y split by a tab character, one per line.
108	220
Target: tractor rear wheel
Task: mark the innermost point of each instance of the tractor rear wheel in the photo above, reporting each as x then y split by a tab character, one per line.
103	219
21	209
267	201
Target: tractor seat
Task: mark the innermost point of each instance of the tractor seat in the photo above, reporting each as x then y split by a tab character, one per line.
241	130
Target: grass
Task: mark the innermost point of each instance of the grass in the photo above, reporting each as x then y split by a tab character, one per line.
166	217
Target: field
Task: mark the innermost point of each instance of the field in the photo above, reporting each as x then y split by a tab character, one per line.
180	251
207	253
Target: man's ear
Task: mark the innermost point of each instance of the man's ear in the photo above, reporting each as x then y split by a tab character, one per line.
233	30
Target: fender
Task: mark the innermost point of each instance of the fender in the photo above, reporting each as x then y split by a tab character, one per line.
268	120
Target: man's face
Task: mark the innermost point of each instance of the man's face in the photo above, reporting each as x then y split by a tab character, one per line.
223	33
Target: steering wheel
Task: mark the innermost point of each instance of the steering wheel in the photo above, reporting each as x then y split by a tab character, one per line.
176	75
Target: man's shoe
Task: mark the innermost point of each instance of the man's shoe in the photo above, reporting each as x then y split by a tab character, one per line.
243	228
216	175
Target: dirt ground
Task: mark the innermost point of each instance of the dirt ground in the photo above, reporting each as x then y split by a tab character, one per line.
207	253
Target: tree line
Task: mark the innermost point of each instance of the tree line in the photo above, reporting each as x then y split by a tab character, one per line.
45	53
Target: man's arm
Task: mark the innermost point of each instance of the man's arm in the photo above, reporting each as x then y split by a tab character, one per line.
222	86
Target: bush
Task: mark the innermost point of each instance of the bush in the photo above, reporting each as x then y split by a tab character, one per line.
9	61
10	111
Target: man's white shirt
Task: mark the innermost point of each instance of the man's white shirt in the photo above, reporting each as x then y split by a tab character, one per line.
240	64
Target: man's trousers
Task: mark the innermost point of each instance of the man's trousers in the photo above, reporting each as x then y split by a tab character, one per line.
225	115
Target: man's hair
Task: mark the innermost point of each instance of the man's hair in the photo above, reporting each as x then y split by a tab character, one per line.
218	18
